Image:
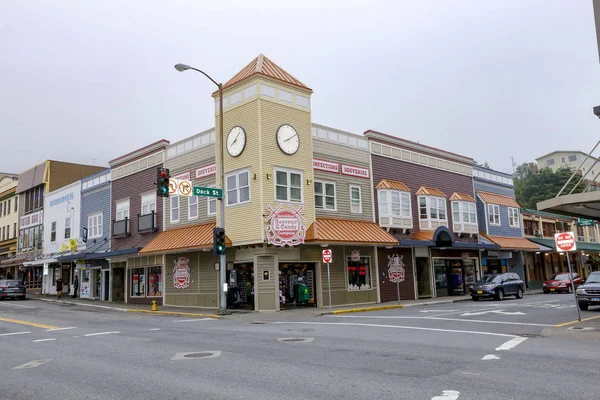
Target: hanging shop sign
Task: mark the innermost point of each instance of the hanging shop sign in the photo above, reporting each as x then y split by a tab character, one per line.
285	225
356	171
326	166
205	171
355	255
32	219
181	273
396	271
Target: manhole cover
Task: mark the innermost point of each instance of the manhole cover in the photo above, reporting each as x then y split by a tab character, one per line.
196	354
296	340
581	328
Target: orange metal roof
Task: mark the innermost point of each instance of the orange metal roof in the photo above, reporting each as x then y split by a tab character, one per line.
264	66
429	191
332	230
493	198
389	184
423	235
456	196
190	238
508	243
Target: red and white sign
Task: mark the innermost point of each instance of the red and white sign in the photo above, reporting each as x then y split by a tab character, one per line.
327	257
396	272
565	241
33	219
359	172
285	226
184	176
205	171
355	255
173	187
326	166
181	273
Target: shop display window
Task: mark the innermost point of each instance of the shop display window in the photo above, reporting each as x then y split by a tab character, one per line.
155	283
138	282
359	274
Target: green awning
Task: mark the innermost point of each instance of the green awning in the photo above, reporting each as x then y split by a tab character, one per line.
581	246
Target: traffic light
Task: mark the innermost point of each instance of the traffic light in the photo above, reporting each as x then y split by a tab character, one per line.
218	241
162	181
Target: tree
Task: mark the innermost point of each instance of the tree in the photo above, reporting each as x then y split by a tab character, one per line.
484	165
533	185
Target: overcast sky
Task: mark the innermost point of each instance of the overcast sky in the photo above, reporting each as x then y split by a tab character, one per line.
87	81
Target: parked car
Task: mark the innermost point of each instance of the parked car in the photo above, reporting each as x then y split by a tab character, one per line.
561	283
12	289
498	286
588	294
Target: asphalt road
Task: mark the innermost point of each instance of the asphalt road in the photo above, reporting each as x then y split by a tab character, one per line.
485	350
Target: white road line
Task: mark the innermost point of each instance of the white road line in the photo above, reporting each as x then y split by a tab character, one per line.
511	344
102	333
490	357
154	329
17	305
193	320
32	364
43	340
14	333
447	395
416	328
60	329
479	321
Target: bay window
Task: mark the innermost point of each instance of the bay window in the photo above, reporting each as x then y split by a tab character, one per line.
464	217
394	209
432	212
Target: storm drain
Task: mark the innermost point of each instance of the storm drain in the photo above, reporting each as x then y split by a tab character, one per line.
196	355
296	340
530	335
581	328
257	323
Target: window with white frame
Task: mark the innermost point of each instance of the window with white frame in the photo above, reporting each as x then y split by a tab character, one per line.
192	207
174	208
122	210
288	185
513	217
464	216
324	195
211	207
68	227
394	208
53	231
592	233
355	200
494	214
550	161
572	157
95	225
148	203
432	209
238	187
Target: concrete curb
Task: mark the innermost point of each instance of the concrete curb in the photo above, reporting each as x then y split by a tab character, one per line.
363	309
132	310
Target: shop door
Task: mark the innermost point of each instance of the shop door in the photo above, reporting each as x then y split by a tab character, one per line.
297	285
105	285
118	284
441	278
423	277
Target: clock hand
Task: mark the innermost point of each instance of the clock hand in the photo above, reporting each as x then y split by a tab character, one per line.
290	137
236	138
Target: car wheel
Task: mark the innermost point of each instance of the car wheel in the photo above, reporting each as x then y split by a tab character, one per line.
475	298
499	294
583	306
519	294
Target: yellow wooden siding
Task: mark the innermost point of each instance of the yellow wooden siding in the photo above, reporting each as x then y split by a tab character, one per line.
266	288
203	288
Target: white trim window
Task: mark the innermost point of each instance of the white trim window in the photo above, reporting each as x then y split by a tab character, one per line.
493	214
238	187
193	207
95	226
514	218
68	227
325	195
432	212
211	205
122	210
464	217
148	203
592	233
356	199
395	209
174	208
288	185
53	231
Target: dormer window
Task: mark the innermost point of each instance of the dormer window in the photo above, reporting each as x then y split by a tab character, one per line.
395	208
432	208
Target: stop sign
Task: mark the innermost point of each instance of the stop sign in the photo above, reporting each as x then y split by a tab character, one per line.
327	256
565	241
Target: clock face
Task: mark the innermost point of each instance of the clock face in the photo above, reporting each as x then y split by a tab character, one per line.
287	139
236	141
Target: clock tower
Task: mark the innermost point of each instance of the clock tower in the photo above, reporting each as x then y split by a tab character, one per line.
268	156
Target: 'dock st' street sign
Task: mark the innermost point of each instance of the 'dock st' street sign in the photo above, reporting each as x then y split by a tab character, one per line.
208	192
585	222
327	256
565	241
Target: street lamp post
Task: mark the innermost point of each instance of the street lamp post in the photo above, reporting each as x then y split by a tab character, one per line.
222	257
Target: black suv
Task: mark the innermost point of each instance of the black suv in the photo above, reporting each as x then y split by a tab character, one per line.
498	286
588	294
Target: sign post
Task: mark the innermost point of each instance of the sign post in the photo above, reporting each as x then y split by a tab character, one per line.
396	271
327	258
566	242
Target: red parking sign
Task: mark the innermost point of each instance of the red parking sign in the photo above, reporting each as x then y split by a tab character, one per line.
565	241
327	256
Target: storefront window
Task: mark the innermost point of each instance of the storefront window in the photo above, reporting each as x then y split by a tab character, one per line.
138	282
359	274
155	281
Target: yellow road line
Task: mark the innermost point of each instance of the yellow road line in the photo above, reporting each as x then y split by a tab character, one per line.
21	322
576	322
365	309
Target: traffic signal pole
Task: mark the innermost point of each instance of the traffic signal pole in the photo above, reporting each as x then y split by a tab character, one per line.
222	257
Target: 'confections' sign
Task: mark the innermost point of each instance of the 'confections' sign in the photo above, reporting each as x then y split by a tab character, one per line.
326	166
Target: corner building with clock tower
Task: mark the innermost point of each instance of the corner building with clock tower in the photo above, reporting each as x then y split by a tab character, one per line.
292	189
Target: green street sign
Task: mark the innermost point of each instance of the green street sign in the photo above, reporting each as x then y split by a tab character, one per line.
208	192
585	222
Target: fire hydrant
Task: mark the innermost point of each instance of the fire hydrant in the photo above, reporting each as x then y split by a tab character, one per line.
154	306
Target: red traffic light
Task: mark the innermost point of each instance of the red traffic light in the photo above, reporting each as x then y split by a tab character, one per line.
163	174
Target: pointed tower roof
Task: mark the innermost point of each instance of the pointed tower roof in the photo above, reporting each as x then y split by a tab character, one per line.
262	65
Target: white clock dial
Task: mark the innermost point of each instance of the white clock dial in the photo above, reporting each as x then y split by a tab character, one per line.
288	139
236	141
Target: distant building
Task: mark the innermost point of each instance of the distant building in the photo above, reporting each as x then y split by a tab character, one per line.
569	159
9	219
